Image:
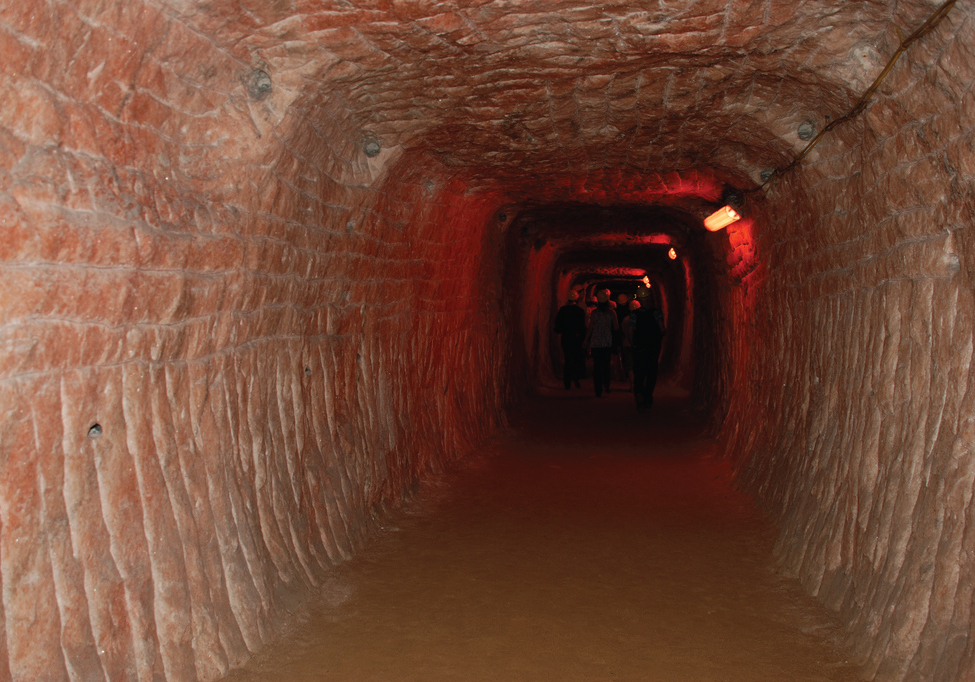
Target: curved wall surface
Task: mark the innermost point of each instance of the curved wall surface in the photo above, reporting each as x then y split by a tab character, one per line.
261	269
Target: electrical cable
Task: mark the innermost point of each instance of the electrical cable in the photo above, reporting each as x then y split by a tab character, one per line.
932	21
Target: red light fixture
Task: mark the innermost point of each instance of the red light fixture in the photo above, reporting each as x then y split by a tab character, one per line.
721	218
672	254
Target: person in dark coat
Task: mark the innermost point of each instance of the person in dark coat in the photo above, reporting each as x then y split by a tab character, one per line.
626	351
570	324
647	325
599	339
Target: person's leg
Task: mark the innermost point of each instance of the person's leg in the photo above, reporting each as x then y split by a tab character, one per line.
600	368
626	360
607	368
653	362
568	365
597	371
580	364
640	362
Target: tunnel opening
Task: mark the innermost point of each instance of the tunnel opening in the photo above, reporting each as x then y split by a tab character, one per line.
554	249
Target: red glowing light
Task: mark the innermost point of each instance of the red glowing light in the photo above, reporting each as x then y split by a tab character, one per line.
723	217
646	281
672	254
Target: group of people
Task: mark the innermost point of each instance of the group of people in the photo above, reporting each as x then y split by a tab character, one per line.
632	329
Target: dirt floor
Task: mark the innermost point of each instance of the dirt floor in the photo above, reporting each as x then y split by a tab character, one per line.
588	542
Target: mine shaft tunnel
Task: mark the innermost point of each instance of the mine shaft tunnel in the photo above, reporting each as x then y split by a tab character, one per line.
266	265
556	249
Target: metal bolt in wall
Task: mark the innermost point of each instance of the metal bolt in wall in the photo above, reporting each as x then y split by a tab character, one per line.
258	84
371	148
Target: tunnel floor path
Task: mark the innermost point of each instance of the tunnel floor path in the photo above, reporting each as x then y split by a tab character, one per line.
587	542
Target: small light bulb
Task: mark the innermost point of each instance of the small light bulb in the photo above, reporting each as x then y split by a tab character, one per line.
672	253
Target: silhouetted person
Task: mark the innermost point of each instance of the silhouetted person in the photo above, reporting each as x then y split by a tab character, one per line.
599	339
570	324
647	329
622	307
590	305
626	351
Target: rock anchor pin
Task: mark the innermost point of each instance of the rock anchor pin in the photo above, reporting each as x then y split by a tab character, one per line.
371	148
258	84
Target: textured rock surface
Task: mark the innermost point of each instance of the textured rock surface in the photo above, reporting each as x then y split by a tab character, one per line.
260	245
867	400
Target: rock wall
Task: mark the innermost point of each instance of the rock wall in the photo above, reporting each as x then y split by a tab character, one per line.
863	375
229	337
255	281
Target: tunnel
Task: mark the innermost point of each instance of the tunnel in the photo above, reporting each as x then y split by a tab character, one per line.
268	266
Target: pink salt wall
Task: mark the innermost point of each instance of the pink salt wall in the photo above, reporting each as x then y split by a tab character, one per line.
268	327
863	449
267	324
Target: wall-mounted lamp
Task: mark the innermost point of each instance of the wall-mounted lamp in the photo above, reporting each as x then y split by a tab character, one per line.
672	254
733	201
721	218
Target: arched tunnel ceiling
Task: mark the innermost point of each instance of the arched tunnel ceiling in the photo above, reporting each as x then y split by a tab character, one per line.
509	89
601	240
615	264
619	242
575	226
608	272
